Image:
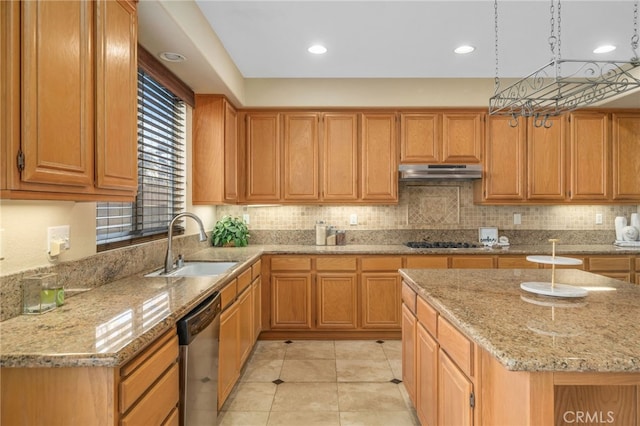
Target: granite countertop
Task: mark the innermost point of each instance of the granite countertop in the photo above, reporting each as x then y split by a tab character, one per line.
108	325
527	332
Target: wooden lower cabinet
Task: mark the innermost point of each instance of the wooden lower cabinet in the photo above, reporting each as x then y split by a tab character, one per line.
336	300
454	393
426	404
618	267
473	262
257	307
228	352
409	375
143	391
245	330
291	300
381	300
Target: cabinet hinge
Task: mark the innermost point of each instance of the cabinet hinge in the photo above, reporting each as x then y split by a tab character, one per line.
20	160
472	400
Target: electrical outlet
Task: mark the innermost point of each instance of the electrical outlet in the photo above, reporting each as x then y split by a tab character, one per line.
517	218
245	217
598	218
353	219
58	233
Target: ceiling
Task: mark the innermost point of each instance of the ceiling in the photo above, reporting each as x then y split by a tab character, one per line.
381	39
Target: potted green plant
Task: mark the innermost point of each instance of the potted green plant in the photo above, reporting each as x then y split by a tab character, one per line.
230	231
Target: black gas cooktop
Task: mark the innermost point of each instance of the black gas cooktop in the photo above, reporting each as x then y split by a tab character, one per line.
440	244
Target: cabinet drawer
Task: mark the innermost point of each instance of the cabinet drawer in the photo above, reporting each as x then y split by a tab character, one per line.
427	262
173	419
458	347
140	373
256	270
622	276
381	263
471	262
228	293
409	297
609	263
244	279
158	403
427	316
291	263
638	264
336	263
516	263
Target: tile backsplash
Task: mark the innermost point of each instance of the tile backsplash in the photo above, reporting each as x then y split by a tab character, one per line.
442	206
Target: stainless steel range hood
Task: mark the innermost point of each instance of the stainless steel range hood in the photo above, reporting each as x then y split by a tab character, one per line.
421	172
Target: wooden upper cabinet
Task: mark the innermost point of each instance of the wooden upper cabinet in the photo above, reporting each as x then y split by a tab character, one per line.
379	172
340	157
546	160
116	95
216	157
435	137
69	100
462	138
626	156
504	160
58	92
263	157
420	138
590	171
301	157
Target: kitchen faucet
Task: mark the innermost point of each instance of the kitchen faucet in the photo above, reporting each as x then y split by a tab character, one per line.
168	260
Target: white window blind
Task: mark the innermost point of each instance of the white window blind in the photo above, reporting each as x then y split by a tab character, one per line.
161	117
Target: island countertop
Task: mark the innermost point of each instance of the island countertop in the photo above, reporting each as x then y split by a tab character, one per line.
528	332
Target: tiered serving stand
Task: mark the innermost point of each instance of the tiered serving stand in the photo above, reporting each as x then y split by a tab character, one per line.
552	288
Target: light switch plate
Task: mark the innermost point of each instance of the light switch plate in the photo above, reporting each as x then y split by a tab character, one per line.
598	218
353	219
517	219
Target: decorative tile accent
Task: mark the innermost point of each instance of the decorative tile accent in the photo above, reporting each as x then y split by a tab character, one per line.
434	205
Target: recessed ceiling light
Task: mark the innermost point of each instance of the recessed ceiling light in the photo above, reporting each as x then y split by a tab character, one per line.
606	48
172	57
464	49
317	49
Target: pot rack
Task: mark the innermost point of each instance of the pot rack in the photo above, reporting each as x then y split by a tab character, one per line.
563	85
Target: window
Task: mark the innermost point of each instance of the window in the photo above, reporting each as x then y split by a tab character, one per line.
161	119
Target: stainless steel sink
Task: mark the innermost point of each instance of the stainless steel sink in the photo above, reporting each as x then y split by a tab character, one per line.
196	269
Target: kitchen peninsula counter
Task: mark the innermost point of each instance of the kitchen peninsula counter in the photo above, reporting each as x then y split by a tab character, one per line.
525	359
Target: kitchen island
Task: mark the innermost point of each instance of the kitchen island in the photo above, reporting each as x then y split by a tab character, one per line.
513	357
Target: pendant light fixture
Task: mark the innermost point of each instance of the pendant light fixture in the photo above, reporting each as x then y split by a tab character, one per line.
564	85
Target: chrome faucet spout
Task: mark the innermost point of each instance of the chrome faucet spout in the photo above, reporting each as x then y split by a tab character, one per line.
168	260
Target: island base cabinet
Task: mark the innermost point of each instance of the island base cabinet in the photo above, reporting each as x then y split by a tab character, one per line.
455	399
427	377
229	352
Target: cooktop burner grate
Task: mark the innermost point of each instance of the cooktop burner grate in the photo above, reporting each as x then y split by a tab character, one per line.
440	244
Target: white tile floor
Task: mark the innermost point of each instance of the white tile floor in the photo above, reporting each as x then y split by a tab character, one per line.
321	383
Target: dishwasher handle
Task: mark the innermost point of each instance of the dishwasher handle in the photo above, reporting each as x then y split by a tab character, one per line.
199	319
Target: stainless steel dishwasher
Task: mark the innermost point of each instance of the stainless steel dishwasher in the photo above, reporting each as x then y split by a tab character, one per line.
199	336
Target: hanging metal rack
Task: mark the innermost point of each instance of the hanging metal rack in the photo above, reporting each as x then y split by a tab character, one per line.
563	85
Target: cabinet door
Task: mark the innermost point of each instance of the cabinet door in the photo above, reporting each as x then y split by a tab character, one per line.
409	377
116	95
245	330
215	160
626	156
589	156
504	160
379	161
340	157
427	377
455	390
291	301
57	92
546	164
263	157
257	307
301	152
336	300
420	138
381	300
229	352
462	138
